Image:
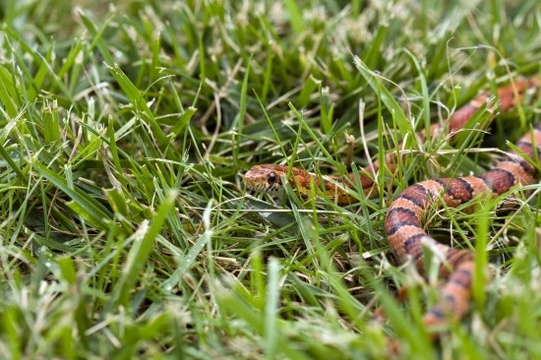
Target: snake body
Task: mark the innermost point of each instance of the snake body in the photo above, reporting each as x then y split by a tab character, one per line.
404	220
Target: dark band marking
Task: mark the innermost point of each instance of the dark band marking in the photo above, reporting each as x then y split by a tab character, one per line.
450	299
412	240
455	256
437	313
462	278
460	189
398	211
524	143
391	230
466	184
423	189
442	182
528	148
399	217
524	164
413	247
416	199
457	188
499	180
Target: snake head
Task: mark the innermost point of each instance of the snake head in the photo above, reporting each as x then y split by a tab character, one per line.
266	178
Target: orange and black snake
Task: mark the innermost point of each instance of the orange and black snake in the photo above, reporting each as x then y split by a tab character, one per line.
405	215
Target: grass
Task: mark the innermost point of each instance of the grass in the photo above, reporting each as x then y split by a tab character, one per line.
125	228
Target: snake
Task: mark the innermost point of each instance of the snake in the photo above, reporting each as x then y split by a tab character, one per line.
404	221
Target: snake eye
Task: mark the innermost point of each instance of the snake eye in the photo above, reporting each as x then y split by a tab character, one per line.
272	177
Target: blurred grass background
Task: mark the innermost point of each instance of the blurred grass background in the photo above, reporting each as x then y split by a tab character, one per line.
126	128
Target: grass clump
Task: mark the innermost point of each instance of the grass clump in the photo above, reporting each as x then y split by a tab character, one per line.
126	128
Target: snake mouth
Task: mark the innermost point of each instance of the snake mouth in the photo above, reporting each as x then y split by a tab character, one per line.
265	189
255	187
260	188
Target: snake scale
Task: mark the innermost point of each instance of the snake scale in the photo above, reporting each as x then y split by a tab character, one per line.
404	219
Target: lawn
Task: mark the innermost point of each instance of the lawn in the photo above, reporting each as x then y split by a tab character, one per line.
126	128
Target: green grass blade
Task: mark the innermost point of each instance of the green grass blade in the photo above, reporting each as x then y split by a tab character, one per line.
85	206
143	241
